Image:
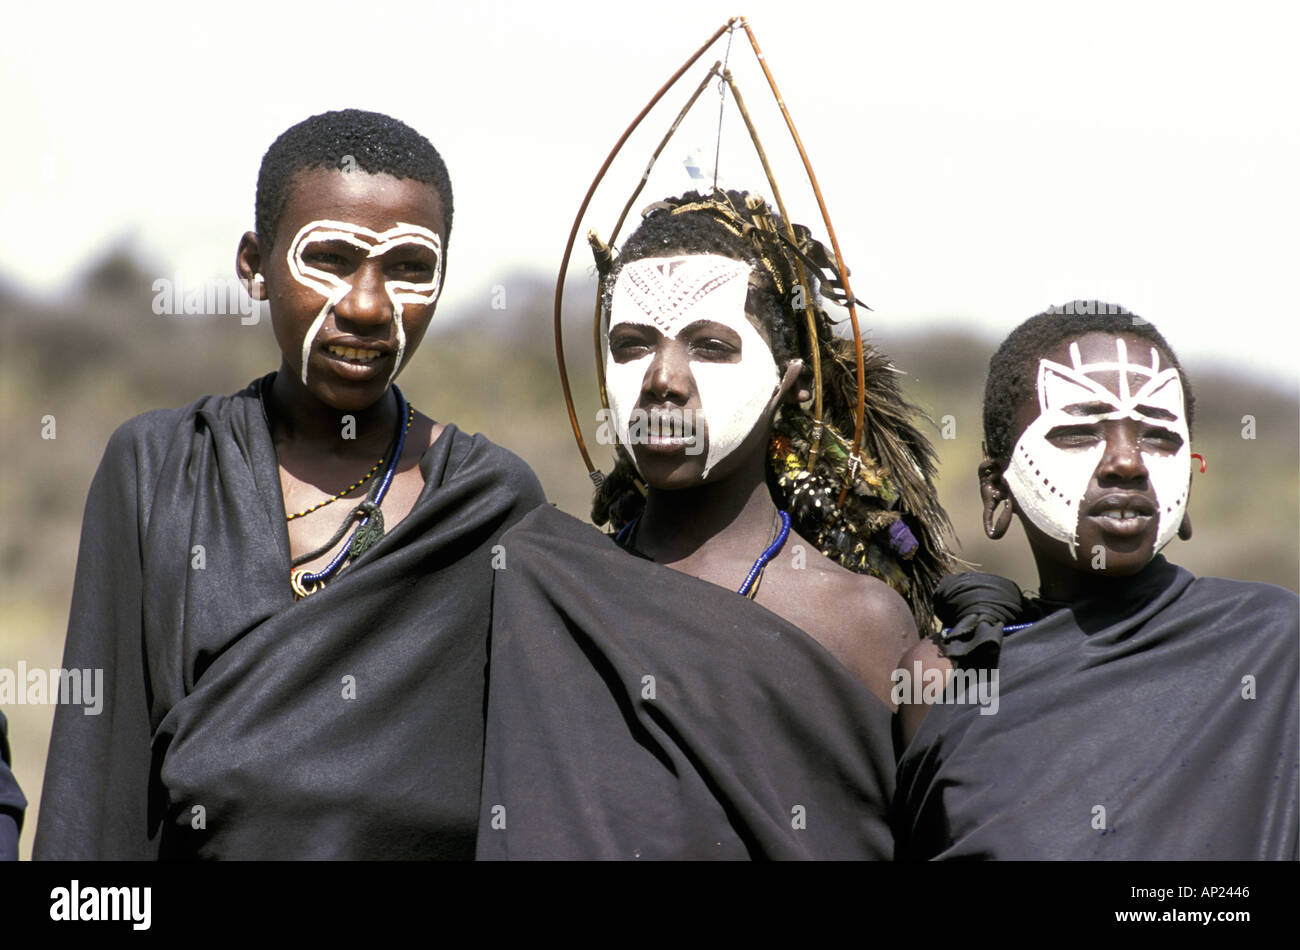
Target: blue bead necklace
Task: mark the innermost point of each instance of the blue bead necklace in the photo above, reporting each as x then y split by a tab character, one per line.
367	533
747	589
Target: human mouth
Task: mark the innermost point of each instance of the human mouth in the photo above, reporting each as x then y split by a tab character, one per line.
669	429
354	360
1123	514
355	354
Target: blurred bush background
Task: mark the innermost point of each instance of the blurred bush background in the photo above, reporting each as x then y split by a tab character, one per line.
100	355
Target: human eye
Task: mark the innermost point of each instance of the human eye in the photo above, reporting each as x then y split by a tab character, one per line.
327	260
628	343
1074	437
711	348
712	341
1161	440
412	269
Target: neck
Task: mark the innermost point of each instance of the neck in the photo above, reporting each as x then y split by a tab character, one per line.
1067	585
298	417
733	513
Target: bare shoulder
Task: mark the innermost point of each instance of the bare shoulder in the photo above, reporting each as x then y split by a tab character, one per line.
926	652
880	609
919	660
861	621
882	627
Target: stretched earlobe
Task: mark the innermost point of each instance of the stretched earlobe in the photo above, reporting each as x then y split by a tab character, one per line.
996	496
995	526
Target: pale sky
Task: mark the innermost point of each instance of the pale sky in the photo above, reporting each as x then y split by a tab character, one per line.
980	160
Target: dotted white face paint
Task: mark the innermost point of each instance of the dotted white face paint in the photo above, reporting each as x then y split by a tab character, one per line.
1049	482
669	294
375	244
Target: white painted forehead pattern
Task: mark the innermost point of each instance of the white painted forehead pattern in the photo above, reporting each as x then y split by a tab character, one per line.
670	291
1060	386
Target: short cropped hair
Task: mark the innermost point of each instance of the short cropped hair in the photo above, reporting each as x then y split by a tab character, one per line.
349	138
1013	369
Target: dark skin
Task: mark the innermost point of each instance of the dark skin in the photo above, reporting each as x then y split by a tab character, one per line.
307	422
714	529
1121	479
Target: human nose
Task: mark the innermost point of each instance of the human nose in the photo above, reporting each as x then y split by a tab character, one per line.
668	378
367	300
1122	460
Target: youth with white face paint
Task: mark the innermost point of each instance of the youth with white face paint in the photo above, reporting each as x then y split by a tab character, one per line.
1049	482
670	294
330	520
375	244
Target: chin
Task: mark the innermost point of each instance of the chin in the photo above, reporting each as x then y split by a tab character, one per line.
1125	566
669	471
1121	562
356	398
666	476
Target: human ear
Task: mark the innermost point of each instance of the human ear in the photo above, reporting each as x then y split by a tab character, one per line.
993	492
248	265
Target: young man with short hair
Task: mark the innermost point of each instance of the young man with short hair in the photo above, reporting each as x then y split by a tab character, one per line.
1141	713
294	634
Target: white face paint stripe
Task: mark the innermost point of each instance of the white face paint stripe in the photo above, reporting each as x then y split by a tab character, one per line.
1049	482
670	294
375	244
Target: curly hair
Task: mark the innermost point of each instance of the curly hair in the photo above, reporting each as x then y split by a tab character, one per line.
877	514
1013	369
375	143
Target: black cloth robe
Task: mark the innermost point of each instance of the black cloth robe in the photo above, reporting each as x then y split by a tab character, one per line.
1125	730
13	805
239	723
636	712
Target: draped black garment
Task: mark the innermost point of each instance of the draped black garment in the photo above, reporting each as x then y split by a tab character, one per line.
1158	724
12	802
239	723
638	712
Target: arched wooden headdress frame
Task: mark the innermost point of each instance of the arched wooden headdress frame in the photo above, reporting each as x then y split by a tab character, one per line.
842	271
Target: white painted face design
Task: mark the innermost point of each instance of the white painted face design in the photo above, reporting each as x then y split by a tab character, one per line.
333	288
670	294
1049	482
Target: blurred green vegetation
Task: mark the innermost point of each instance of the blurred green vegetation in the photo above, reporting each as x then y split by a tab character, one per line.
102	355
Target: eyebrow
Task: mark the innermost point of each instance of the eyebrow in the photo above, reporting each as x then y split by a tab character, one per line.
705	323
634	326
1155	412
330	244
1090	408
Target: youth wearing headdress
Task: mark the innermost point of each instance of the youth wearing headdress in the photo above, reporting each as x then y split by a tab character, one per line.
702	682
1140	713
332	709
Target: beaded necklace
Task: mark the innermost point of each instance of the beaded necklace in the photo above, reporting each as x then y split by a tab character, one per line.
410	417
371	527
749	587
